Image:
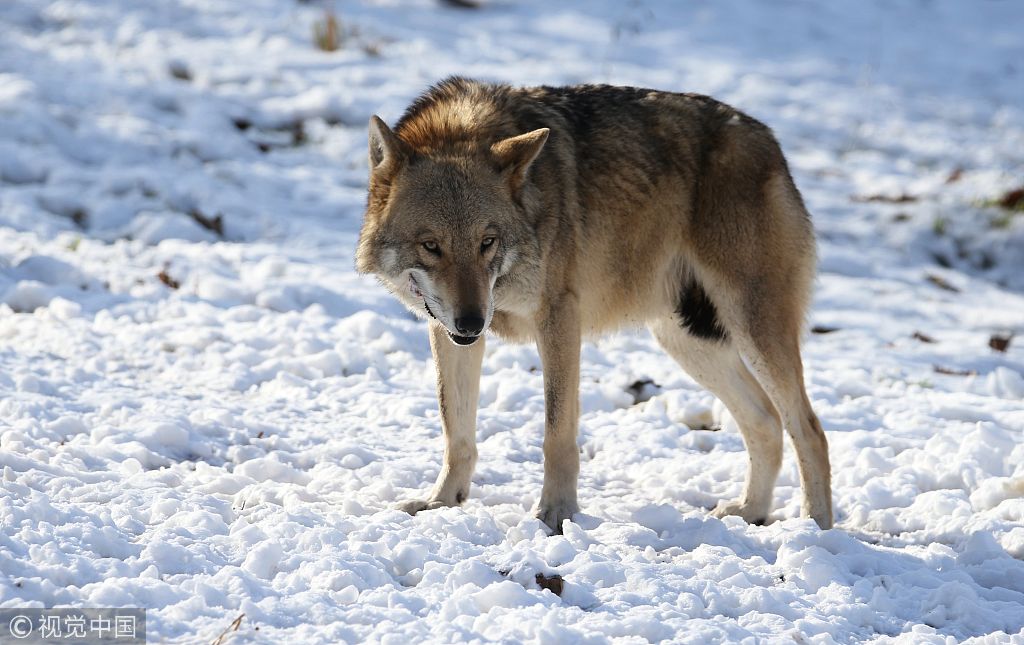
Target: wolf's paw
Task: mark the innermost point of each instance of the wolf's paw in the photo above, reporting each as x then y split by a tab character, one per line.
553	514
820	514
747	511
414	506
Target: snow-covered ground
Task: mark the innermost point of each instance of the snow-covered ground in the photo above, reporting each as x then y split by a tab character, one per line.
210	424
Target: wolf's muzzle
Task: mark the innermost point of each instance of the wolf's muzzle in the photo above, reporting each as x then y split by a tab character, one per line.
469	328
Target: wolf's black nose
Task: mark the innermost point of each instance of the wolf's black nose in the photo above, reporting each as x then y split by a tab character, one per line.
469	325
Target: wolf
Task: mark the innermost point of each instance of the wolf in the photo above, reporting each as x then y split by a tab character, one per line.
554	214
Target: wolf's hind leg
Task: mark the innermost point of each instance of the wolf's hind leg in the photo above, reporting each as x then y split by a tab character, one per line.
712	361
458	393
762	277
775	362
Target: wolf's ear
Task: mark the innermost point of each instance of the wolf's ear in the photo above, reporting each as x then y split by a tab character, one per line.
386	149
515	154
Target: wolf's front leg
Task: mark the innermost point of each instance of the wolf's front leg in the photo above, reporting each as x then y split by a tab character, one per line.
558	340
458	392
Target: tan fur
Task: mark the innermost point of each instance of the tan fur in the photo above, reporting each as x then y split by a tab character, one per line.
607	207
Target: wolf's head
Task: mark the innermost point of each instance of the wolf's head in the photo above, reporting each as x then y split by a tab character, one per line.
442	225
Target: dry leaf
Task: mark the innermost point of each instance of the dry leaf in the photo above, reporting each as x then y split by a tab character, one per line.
953	372
554	583
823	329
1000	342
166	278
941	283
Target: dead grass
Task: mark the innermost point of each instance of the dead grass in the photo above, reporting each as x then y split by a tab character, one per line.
233	627
327	32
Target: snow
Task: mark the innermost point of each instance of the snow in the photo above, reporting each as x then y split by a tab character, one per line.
236	445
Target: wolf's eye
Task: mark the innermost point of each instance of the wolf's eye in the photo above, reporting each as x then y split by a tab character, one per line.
432	246
487	243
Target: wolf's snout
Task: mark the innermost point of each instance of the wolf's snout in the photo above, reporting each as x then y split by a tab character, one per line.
470	325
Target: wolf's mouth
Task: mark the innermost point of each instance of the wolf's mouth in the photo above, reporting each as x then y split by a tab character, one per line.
458	340
462	340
